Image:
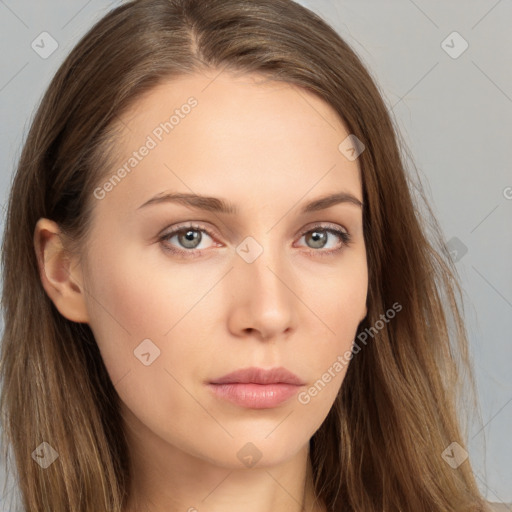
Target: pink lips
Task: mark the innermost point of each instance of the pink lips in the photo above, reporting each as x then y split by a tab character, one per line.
257	388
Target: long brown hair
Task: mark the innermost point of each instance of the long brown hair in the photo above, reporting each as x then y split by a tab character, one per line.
380	447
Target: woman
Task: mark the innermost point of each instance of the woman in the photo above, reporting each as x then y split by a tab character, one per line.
218	293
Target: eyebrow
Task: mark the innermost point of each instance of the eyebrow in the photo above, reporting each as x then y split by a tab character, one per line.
216	204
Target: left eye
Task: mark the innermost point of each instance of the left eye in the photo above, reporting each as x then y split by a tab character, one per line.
190	236
319	236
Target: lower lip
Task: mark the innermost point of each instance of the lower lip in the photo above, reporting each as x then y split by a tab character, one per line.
255	396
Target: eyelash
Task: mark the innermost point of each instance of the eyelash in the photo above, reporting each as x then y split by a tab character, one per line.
193	253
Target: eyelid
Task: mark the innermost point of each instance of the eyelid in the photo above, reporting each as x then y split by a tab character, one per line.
324	225
182	226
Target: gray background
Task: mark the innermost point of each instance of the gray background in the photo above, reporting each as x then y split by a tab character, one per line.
455	115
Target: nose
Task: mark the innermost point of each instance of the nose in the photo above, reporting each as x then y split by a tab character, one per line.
264	302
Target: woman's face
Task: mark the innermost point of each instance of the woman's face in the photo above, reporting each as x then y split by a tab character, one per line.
263	287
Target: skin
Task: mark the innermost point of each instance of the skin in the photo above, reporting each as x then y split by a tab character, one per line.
269	148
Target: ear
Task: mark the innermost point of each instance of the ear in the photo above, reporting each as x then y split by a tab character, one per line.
59	272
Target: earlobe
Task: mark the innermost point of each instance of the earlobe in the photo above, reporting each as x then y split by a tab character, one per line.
59	272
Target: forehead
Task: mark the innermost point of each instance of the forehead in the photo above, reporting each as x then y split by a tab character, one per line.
226	135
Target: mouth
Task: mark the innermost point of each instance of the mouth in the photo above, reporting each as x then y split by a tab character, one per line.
255	375
257	388
255	396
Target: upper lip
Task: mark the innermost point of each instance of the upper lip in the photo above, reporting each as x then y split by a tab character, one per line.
260	376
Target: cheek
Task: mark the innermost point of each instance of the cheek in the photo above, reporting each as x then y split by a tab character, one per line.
338	297
340	306
125	307
135	296
144	320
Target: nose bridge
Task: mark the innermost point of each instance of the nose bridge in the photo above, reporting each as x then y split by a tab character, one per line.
267	271
262	270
